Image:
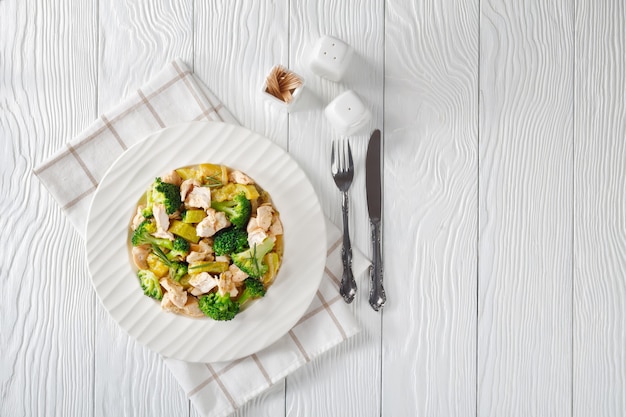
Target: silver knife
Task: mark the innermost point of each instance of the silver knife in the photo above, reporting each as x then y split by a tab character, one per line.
373	185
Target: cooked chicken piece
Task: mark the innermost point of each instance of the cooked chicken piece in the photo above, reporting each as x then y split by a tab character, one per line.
252	224
203	282
222	258
256	236
227	285
221	221
264	216
168	305
240	178
276	228
199	197
140	254
199	257
200	252
172	177
161	217
138	217
162	222
214	221
190	309
237	275
163	234
203	245
205	228
187	186
175	292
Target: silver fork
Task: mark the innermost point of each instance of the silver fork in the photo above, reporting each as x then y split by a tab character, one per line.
342	169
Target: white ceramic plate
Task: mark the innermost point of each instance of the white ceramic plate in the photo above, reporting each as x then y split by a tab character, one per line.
114	277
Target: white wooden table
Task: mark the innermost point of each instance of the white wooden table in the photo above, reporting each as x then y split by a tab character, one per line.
505	199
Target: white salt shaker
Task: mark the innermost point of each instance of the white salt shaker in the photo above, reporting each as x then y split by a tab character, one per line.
330	58
347	113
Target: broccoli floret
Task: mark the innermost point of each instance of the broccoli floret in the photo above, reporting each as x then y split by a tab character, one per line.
218	307
166	194
142	236
147	211
180	249
178	269
250	261
237	210
254	289
230	240
150	284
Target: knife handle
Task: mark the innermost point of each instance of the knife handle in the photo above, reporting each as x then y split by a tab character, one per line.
377	292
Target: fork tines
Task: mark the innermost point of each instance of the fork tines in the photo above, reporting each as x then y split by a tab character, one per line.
341	156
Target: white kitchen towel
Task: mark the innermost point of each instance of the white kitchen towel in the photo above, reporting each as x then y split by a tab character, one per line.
173	96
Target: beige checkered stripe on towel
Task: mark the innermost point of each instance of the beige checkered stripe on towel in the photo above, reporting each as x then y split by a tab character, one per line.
219	389
172	96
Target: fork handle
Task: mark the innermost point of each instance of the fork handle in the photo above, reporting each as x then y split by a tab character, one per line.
377	291
348	284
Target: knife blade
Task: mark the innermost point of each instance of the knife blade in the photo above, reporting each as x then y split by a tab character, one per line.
373	186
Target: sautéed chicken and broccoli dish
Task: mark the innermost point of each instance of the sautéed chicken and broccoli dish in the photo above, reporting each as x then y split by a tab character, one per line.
206	240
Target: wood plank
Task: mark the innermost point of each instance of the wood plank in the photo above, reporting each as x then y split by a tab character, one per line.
346	380
235	46
431	120
47	93
599	387
525	217
136	39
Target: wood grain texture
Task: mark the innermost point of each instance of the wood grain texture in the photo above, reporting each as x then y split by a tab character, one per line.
236	45
360	24
47	92
136	39
599	344
504	121
525	201
431	120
